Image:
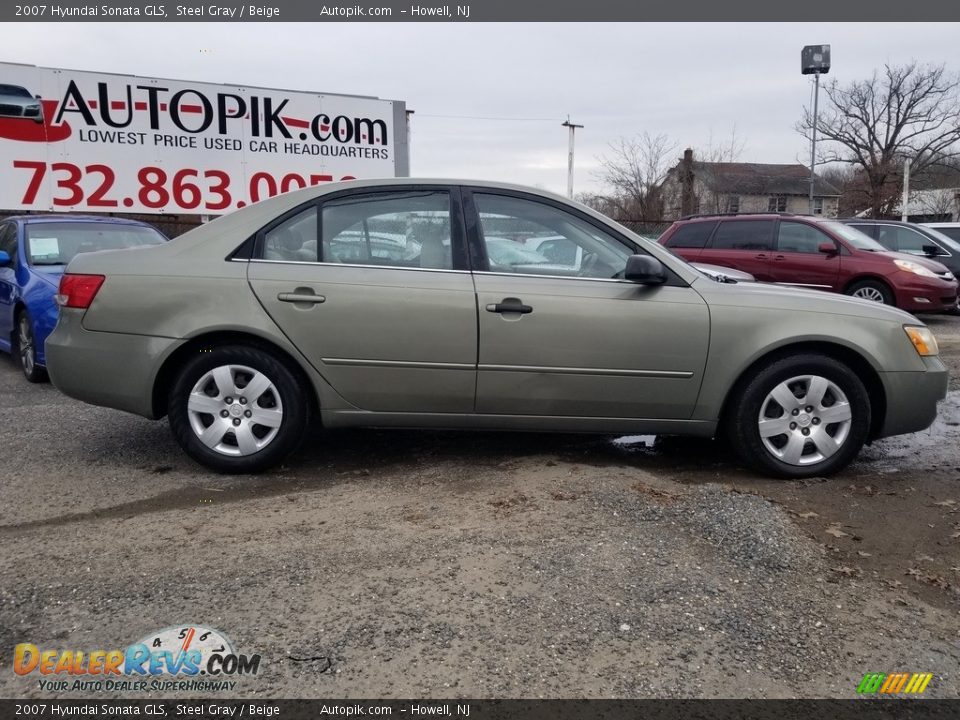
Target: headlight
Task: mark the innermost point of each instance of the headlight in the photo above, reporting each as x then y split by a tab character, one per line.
915	268
922	339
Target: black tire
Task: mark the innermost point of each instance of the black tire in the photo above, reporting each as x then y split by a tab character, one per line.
753	397
25	348
872	287
286	395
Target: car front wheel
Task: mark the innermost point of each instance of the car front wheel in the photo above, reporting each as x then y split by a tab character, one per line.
872	290
800	417
237	409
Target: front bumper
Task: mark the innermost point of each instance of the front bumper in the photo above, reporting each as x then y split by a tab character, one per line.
912	398
917	294
115	370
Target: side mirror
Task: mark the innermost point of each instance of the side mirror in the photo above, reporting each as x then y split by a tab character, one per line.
645	270
4	258
930	250
827	248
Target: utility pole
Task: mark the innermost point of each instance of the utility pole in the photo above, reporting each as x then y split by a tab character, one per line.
905	200
409	114
573	129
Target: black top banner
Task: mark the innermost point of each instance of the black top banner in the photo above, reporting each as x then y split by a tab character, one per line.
480	11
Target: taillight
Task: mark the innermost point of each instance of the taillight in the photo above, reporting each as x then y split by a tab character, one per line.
78	291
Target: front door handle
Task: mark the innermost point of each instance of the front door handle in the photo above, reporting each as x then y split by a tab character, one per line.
300	297
760	256
509	305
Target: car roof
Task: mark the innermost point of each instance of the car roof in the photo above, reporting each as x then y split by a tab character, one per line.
31	219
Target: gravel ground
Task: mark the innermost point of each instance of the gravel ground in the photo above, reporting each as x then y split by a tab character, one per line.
395	564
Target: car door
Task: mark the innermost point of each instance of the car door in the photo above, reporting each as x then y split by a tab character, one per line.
373	288
583	345
8	282
798	260
745	245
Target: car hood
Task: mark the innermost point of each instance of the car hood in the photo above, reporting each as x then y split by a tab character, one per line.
931	265
790	299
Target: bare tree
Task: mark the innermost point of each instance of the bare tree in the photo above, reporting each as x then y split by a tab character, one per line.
633	171
906	112
714	191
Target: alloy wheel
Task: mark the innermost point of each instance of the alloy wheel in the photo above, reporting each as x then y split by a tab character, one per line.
868	292
25	342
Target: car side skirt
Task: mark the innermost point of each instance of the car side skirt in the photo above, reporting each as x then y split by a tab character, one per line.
541	423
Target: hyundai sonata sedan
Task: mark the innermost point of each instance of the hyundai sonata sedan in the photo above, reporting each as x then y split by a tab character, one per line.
242	329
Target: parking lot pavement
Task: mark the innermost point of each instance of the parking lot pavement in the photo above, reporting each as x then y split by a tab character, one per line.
486	565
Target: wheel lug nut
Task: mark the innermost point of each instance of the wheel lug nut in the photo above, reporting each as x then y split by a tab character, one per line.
243	401
805	431
223	413
228	400
796	411
236	421
793	426
816	421
809	408
248	414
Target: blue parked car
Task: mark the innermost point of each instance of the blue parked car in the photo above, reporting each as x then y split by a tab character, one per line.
34	252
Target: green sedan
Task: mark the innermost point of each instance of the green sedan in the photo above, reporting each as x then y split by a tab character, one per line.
378	304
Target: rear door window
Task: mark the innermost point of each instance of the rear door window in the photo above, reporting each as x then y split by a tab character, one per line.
755	235
692	235
903	239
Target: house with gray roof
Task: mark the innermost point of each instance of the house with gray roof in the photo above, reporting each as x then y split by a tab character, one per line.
708	187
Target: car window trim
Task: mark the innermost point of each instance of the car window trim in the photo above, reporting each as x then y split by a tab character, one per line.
480	264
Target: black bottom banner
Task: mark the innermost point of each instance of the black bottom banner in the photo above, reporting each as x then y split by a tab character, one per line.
859	709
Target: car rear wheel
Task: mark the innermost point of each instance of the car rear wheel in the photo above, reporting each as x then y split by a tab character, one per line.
800	417
873	290
26	348
237	409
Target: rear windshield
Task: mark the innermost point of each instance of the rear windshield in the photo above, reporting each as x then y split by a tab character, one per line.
56	243
853	236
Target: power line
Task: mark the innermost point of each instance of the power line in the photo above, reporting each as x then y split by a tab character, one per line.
482	117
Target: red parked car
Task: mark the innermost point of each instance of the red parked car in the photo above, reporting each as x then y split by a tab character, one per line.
815	253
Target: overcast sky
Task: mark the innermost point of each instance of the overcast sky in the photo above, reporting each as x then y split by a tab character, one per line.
689	81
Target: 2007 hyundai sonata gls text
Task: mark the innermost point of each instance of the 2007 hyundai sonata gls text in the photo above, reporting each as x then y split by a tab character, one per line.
378	304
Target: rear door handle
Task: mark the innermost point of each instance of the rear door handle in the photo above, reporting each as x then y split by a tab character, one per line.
295	297
761	256
509	306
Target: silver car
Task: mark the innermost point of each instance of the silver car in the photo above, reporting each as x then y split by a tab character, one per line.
242	329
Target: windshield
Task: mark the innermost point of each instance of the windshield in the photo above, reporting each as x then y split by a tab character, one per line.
944	239
15	90
853	236
951	232
56	243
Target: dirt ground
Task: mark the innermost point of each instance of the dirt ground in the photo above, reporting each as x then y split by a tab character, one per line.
403	564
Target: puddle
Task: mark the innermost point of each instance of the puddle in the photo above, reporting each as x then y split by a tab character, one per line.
635	442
